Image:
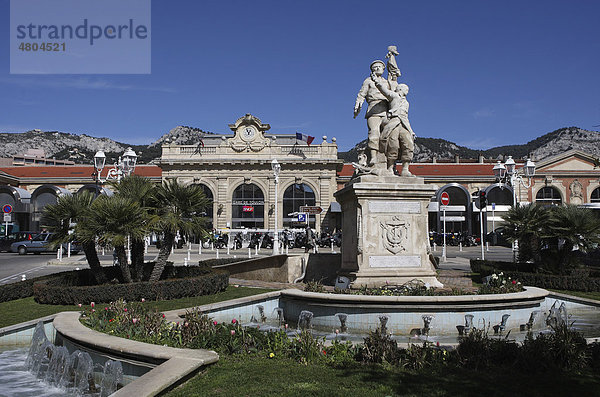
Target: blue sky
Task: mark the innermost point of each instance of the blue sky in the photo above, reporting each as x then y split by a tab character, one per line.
481	73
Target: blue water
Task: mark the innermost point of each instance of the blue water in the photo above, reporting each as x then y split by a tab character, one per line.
17	381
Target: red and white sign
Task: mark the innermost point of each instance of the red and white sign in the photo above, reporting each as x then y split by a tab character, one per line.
248	208
445	198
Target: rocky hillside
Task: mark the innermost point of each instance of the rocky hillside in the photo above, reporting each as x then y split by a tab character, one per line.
547	145
181	135
81	148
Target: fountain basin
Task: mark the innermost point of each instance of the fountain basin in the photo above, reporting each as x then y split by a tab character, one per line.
156	369
405	313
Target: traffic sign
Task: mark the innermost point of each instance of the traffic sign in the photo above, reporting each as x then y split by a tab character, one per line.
302	218
7	218
7	209
311	209
445	198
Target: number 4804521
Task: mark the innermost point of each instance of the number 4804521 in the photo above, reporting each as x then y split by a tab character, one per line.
42	47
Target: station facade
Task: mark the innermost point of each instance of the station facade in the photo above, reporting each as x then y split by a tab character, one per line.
235	171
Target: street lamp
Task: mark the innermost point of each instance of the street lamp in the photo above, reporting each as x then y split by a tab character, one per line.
508	174
124	167
276	167
99	161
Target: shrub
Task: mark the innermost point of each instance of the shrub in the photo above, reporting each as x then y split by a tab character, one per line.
578	282
564	349
78	286
314	286
379	347
500	284
479	350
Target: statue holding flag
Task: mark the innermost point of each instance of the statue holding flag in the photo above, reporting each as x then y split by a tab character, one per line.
390	135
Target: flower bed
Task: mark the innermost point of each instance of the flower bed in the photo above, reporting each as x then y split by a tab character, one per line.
563	350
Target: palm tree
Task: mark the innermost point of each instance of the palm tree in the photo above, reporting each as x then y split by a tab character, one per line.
179	208
73	209
141	190
113	220
573	229
528	224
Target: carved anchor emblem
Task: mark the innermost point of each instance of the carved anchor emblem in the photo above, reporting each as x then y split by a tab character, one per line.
394	233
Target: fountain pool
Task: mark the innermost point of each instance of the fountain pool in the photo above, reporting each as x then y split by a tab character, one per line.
410	318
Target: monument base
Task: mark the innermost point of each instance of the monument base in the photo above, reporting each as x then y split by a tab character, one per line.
385	234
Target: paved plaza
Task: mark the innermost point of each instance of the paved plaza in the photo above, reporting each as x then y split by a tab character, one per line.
452	273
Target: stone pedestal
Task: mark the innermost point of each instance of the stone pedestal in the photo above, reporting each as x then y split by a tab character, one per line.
385	232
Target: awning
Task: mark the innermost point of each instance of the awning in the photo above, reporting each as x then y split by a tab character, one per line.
335	207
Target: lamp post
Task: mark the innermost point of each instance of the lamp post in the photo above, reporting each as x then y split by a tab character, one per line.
124	167
508	174
276	170
99	161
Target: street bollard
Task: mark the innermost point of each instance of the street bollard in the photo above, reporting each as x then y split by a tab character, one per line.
103	251
68	249
256	250
185	261
434	247
249	253
227	249
189	254
332	250
200	248
286	249
217	253
460	247
487	245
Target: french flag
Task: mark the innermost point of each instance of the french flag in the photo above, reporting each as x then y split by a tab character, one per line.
306	138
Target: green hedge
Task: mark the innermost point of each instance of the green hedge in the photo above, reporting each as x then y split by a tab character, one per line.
24	289
578	282
75	287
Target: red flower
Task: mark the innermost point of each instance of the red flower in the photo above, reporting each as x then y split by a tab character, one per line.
233	321
324	352
514	281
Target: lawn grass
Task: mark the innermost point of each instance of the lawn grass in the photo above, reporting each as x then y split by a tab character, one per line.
21	310
261	376
581	294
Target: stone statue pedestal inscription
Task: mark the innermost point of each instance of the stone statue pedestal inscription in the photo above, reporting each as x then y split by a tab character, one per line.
385	233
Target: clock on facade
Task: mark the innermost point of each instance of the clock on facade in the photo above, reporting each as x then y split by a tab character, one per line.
248	133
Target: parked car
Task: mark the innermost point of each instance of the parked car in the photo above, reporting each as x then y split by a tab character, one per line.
40	243
7	240
498	237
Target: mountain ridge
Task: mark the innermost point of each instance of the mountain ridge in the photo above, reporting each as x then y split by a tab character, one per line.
81	148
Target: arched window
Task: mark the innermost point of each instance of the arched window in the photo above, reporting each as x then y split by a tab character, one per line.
548	196
595	195
248	207
210	208
294	197
500	196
